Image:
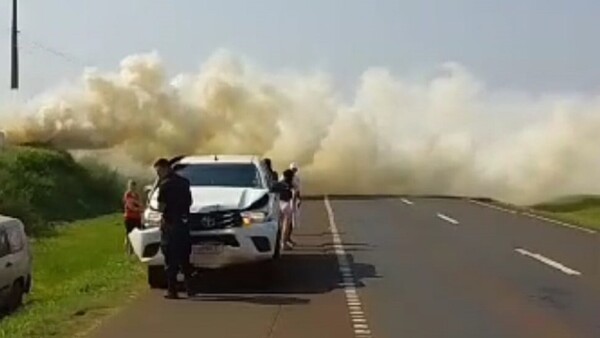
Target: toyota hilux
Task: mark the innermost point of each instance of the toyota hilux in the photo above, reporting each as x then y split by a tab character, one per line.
234	217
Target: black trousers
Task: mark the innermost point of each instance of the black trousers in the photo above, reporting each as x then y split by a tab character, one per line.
176	247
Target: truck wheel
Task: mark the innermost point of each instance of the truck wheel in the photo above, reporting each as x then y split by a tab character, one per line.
15	299
28	284
157	278
278	245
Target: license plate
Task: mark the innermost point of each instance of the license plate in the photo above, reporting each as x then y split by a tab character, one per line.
205	253
207	249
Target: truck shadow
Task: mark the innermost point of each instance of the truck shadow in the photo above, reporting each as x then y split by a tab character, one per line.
295	273
258	299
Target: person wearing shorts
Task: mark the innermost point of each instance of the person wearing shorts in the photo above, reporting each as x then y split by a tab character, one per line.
287	198
133	209
297	200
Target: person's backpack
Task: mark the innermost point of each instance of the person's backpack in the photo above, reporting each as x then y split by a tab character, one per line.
284	190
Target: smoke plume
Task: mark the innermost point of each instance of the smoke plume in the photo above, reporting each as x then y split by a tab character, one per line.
445	135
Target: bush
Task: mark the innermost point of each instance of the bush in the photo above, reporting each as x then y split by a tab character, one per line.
570	204
45	186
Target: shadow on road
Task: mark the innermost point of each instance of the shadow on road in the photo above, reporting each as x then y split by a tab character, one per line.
259	300
297	273
330	247
319	234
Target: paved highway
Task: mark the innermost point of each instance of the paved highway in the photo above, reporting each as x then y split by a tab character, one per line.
395	267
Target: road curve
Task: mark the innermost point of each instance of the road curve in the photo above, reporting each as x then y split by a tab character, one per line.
395	267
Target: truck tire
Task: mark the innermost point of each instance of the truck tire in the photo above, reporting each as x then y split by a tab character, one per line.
15	298
28	284
157	279
278	245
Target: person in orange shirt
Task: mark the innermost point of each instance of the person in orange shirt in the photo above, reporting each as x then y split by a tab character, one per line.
133	208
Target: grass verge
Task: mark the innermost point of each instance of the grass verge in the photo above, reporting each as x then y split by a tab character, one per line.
578	210
582	211
80	275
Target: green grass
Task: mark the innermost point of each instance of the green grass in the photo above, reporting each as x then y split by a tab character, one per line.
579	210
80	275
44	186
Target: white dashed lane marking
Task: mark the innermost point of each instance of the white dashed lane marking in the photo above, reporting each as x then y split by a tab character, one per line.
548	261
358	319
405	201
447	219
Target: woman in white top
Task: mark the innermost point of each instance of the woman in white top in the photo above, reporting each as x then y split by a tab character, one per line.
286	191
297	195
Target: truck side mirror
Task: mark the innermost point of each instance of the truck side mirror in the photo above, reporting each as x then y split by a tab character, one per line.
147	192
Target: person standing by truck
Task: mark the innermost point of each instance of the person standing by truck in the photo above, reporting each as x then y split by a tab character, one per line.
174	201
286	193
133	209
297	197
273	175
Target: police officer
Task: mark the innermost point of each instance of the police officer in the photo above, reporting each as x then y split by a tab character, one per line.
273	175
174	199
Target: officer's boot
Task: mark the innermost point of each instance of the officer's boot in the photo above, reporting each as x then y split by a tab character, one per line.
171	285
189	281
189	288
172	293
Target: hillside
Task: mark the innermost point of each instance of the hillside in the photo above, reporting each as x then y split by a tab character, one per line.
44	186
582	210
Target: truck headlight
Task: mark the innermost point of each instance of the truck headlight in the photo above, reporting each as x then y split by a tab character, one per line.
253	217
152	218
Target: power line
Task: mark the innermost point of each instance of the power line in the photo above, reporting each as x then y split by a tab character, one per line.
60	54
29	44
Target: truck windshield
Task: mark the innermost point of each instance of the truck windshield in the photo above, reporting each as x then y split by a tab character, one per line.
222	175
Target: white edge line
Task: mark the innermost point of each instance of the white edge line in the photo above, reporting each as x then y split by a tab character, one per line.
549	262
491	206
549	220
361	327
531	215
447	219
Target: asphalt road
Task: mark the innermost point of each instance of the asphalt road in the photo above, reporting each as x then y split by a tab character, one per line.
392	267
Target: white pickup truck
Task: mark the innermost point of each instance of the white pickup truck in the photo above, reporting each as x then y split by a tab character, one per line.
234	217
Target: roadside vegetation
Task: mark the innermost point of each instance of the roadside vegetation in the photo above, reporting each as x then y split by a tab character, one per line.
44	187
80	270
578	210
81	274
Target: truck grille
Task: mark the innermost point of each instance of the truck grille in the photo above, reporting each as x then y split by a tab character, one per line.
215	220
228	240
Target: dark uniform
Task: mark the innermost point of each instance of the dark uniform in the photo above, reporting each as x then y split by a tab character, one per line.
273	176
175	197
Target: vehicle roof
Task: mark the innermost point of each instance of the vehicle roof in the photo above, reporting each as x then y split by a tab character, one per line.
6	220
220	159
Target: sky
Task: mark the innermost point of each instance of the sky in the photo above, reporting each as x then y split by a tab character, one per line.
535	46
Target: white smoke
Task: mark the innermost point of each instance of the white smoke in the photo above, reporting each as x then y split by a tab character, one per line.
447	135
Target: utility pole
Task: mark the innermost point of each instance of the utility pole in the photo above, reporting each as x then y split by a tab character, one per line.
14	65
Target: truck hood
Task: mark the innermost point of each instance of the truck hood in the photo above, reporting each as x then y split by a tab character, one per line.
206	199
